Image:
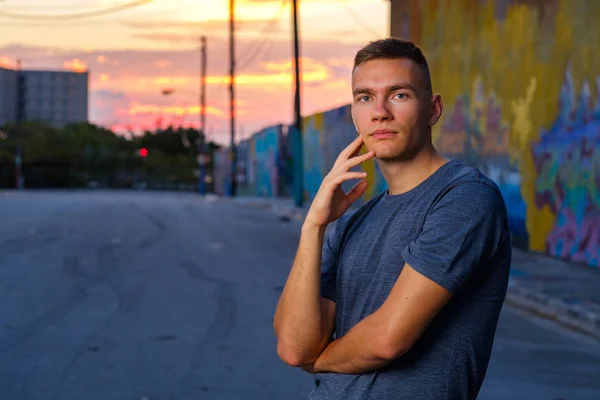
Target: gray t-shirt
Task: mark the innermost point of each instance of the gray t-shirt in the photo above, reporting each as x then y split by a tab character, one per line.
453	229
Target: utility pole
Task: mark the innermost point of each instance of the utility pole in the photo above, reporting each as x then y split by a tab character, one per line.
203	84
232	95
299	158
202	159
20	114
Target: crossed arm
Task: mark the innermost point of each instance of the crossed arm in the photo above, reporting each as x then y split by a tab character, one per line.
387	333
304	321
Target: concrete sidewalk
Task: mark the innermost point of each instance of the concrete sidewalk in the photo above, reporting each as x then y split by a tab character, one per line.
566	292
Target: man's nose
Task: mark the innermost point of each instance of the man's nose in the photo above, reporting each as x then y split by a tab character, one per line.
381	111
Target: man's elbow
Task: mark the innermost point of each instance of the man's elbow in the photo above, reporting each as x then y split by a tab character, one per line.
388	348
292	356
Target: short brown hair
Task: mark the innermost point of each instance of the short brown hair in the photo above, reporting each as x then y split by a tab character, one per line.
391	49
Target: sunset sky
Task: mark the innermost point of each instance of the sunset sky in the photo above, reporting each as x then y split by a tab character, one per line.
134	54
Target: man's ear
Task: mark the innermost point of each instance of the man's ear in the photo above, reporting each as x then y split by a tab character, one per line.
437	106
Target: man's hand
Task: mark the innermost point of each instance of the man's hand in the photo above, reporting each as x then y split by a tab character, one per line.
331	202
312	368
309	368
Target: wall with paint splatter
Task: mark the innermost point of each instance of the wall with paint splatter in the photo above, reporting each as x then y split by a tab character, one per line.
520	81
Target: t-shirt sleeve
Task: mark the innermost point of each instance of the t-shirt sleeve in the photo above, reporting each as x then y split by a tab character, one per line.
329	263
461	231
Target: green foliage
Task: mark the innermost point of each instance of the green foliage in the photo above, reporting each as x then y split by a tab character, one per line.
78	154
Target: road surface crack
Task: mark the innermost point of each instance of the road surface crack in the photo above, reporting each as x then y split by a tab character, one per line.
59	312
162	229
220	327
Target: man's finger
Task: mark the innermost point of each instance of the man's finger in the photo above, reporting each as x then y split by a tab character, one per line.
357	191
350	149
354	161
339	179
356	151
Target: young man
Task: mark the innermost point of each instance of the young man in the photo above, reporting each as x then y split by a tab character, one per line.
403	298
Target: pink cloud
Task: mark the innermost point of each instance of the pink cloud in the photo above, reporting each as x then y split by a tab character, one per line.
119	79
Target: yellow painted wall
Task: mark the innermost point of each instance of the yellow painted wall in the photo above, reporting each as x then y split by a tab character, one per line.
520	82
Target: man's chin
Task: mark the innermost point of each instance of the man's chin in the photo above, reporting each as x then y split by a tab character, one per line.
385	153
391	156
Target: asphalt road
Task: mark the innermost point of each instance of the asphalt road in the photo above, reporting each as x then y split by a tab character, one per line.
135	295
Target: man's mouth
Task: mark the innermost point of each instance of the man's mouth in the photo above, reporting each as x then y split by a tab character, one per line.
383	133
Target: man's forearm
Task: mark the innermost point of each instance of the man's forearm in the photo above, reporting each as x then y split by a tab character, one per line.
354	353
298	321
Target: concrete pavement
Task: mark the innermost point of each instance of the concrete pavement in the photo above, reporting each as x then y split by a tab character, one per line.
125	295
155	295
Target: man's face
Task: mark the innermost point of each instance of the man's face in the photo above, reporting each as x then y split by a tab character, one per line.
392	108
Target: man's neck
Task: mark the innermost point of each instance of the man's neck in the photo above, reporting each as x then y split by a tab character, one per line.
402	176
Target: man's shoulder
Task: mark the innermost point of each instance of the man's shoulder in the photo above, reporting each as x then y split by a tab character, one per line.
470	184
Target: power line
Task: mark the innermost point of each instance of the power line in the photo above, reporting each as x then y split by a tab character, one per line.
143	15
255	54
68	17
358	20
252	51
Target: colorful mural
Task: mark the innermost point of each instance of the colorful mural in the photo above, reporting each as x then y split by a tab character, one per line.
264	164
567	161
266	161
312	151
520	81
521	86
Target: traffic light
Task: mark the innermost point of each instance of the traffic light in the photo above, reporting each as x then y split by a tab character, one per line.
143	152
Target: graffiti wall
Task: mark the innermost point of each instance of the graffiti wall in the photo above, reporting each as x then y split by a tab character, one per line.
266	161
325	136
264	164
520	81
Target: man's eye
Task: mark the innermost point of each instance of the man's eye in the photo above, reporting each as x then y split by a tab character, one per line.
364	98
401	96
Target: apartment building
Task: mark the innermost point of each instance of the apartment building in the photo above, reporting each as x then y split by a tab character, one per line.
9	99
54	97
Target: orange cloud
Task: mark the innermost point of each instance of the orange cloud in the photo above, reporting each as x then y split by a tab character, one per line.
162	64
166	80
126	87
145	109
306	63
312	71
6	62
340	62
215	25
282	78
75	65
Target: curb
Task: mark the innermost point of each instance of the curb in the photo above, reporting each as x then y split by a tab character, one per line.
572	315
283	212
